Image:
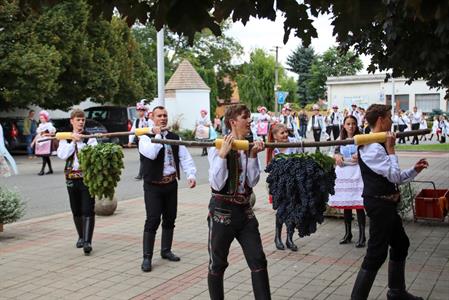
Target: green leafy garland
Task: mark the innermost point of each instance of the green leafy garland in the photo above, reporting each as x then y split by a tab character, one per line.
102	166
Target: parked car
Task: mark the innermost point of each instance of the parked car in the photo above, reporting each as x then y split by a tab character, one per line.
114	118
12	131
91	126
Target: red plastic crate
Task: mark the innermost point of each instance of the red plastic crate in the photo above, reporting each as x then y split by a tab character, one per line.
428	204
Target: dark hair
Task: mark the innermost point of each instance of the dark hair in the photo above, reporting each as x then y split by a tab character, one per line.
31	111
375	111
77	113
158	107
344	133
233	111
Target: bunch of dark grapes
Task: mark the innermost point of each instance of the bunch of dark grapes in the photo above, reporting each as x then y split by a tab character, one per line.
300	185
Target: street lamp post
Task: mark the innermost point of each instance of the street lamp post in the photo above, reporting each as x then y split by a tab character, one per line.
276	78
160	68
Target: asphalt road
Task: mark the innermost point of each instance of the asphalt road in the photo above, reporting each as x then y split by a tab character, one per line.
47	195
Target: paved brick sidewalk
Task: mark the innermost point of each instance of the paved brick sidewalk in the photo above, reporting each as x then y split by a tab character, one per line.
38	258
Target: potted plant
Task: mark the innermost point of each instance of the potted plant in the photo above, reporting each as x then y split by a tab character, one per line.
102	166
11	207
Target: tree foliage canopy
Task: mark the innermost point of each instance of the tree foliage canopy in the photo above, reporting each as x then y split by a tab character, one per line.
60	56
409	37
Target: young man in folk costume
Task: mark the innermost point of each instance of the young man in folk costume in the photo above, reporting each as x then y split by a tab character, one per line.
335	121
140	122
381	176
81	202
232	175
316	124
161	169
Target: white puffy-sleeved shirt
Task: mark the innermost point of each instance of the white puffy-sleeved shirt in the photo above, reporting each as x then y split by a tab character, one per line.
43	127
416	117
277	151
379	161
218	170
151	150
66	149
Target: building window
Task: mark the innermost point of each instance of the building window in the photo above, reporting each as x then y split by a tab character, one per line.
402	102
427	102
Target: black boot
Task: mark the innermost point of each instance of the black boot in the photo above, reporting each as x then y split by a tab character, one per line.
363	284
166	242
148	246
289	243
50	169
277	235
215	284
361	219
79	229
396	282
348	234
44	162
261	285
88	230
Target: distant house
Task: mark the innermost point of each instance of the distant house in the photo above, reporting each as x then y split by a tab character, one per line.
367	89
185	95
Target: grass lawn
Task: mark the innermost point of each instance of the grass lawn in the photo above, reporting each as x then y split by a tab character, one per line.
425	148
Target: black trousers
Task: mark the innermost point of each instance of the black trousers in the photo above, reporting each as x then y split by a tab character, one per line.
160	200
316	136
402	128
386	232
228	221
415	126
336	131
82	203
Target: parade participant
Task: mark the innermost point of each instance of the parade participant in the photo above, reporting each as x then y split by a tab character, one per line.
5	158
289	121
381	176
395	121
232	175
349	183
423	125
402	125
140	122
280	135
263	122
336	121
161	169
443	125
416	118
435	129
44	149
316	124
303	120
202	129
81	202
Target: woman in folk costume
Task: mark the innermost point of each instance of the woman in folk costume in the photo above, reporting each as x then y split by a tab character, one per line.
202	128
5	158
44	149
280	135
349	183
263	122
435	129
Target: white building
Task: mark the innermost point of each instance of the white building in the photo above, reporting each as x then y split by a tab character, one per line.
367	89
185	95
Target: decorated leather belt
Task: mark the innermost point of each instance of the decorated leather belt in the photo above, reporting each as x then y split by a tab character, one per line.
236	199
74	175
165	179
391	198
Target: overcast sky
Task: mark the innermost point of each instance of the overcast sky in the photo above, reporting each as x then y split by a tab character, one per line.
262	33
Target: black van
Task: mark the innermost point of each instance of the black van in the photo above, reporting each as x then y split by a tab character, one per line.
114	118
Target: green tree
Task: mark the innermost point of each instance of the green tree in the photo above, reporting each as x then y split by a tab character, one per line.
255	81
24	60
300	62
410	37
331	63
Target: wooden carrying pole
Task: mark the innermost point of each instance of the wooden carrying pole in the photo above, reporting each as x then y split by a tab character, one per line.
361	139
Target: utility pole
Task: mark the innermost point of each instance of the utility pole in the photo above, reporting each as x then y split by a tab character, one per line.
393	100
276	78
160	68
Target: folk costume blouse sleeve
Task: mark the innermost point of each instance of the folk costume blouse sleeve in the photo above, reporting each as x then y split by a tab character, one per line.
376	158
218	171
187	163
147	148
